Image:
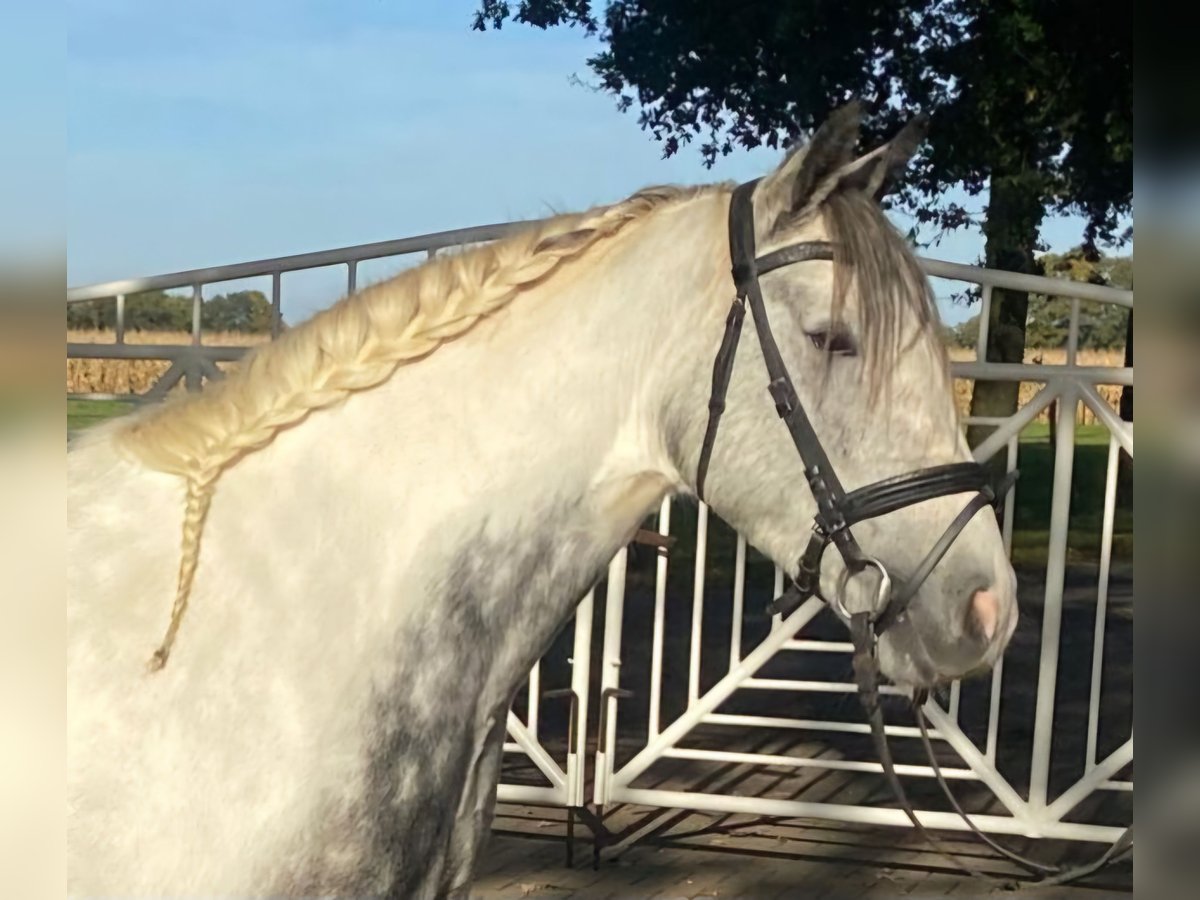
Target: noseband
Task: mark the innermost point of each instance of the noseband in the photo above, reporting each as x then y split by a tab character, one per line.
838	510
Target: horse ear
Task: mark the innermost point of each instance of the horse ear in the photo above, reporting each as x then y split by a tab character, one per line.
788	189
876	173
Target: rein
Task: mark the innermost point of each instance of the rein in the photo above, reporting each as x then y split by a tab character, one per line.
838	510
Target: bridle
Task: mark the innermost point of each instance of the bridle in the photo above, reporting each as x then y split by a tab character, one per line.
839	510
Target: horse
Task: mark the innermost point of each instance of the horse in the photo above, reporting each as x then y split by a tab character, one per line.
389	512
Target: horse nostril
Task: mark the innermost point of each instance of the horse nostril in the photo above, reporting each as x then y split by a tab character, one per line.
985	610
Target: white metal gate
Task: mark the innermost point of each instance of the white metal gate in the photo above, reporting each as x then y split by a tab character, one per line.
1044	807
565	781
195	363
1035	811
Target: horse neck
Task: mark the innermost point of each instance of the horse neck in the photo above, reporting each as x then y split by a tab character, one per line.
511	464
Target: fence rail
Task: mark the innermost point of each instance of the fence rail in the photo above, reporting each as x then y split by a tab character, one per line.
1037	811
193	363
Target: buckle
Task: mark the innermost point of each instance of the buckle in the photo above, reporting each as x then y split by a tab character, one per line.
784	397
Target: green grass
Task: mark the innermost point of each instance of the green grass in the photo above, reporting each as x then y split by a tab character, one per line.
1035	458
82	413
1088	435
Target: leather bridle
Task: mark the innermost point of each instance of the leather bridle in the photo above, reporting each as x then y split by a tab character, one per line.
839	510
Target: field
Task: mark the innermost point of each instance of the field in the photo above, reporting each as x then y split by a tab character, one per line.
120	376
1036	453
1114	358
100	376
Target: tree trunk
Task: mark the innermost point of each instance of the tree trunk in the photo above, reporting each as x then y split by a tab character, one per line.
1013	217
1124	461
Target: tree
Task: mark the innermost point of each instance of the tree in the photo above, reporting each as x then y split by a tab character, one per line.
966	332
150	311
242	311
1030	101
1102	326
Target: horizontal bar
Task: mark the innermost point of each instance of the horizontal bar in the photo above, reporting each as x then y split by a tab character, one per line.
984	420
814	725
1115	786
511	747
155	351
1056	287
826	687
820	646
993	371
845	765
866	815
1109	375
719	692
296	262
1038	284
528	793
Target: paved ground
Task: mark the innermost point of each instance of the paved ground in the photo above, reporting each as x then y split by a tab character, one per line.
669	854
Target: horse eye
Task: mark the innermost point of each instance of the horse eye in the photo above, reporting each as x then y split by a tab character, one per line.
838	343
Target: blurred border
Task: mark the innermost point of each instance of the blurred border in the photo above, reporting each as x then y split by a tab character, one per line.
32	445
32	489
32	588
1167	489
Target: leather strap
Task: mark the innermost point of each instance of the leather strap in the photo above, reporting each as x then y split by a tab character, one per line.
1051	875
887	496
866	675
837	511
901	599
867	678
722	372
822	479
794	253
807	582
647	538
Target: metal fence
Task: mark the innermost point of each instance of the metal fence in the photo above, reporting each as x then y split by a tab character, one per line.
1034	804
1025	803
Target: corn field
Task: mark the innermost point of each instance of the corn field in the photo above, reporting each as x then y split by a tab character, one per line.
1083	415
136	376
119	376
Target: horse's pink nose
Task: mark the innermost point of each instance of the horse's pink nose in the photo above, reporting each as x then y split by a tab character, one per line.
985	608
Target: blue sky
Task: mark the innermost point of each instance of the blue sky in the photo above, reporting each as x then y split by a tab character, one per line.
210	133
32	57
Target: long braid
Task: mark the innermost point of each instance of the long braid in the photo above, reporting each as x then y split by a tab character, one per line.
199	497
353	346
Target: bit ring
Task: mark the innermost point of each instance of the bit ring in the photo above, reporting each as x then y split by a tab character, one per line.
838	602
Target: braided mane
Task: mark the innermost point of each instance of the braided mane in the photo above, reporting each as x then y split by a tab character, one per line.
353	346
